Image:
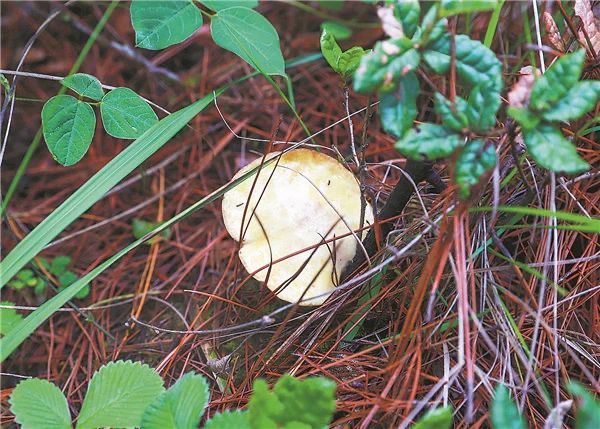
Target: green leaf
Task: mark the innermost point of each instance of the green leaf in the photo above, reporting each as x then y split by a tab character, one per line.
59	265
162	23
455	7
439	418
85	85
588	412
552	150
504	412
474	62
250	36
554	85
217	5
385	65
580	99
67	279
483	106
180	407
349	61
118	394
140	228
337	30
25	275
525	117
330	49
429	141
125	114
68	125
456	118
398	109
9	318
475	159
237	419
39	404
5	84
408	12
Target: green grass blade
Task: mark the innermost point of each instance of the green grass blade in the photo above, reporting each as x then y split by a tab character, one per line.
491	30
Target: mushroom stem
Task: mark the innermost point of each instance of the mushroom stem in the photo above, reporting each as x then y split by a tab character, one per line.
401	194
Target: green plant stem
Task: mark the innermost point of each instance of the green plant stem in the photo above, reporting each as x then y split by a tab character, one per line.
38	136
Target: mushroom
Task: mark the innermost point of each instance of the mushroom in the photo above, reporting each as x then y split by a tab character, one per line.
293	213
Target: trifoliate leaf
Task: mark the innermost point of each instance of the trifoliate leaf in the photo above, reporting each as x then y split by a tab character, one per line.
580	99
398	109
85	85
180	407
588	412
440	418
504	412
330	49
554	85
454	117
429	141
68	125
552	150
39	404
237	419
474	161
125	114
162	23
118	395
455	7
9	318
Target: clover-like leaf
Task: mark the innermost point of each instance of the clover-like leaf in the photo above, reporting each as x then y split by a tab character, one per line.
237	419
39	404
125	114
504	412
162	23
580	99
59	265
9	318
455	117
474	161
68	126
455	7
588	412
85	85
398	109
439	418
552	150
250	36
118	395
180	407
218	5
429	141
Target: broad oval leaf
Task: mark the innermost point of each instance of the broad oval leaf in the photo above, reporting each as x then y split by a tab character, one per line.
85	85
125	114
162	23
483	106
504	412
429	141
237	419
455	7
39	404
440	418
330	49
349	61
588	412
454	117
398	109
552	150
217	5
118	394
580	99
68	126
180	407
250	36
475	159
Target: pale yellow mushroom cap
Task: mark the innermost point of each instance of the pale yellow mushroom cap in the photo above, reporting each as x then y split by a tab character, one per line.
298	202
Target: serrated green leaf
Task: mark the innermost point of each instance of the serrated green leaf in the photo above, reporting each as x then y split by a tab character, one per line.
398	109
455	7
580	99
264	408
337	30
474	160
125	114
429	141
118	395
454	117
408	12
162	23
525	117
504	412
330	49
381	68
439	418
250	36
552	150
588	412
554	85
9	318
68	126
349	61
59	265
180	407
237	419
217	5
475	63
85	85
483	106
39	404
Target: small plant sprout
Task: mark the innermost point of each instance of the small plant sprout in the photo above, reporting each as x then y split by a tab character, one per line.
288	218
